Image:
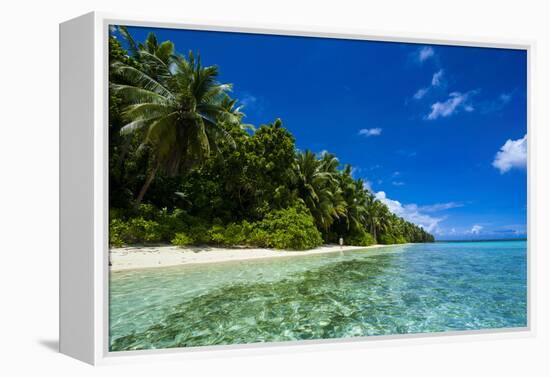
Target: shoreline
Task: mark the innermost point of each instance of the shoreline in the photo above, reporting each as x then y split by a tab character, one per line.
140	257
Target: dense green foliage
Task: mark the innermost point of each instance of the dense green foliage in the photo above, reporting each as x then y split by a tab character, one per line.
290	228
185	169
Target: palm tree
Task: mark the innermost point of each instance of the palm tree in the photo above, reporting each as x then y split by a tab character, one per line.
333	198
353	196
378	215
175	105
309	179
162	51
317	186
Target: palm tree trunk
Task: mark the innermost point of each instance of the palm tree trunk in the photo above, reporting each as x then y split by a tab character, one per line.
146	185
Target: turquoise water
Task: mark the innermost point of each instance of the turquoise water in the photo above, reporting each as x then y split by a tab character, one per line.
420	288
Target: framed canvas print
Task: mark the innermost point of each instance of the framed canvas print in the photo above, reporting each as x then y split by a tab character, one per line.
232	189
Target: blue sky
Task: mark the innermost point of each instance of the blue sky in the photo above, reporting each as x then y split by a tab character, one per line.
438	132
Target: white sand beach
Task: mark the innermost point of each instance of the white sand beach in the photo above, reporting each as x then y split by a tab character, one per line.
135	257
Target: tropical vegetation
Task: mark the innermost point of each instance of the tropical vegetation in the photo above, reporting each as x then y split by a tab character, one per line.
185	168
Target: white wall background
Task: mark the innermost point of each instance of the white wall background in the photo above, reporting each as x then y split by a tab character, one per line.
29	184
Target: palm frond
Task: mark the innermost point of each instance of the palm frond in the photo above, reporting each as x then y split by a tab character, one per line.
165	51
132	46
145	110
155	63
215	132
158	127
135	126
134	95
139	79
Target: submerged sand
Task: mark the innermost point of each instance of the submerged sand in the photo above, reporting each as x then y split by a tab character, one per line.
134	257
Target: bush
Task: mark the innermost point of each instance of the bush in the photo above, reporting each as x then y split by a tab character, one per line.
148	211
136	230
199	233
258	237
181	239
216	235
117	213
291	228
237	234
171	223
361	239
141	230
118	229
230	235
386	239
400	239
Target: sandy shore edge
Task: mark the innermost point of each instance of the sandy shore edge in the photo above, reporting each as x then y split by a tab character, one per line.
138	257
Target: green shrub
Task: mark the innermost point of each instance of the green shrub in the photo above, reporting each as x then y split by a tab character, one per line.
386	239
181	239
136	230
291	228
199	233
216	235
141	230
400	239
230	235
118	229
361	239
148	211
116	213
171	223
237	234
258	237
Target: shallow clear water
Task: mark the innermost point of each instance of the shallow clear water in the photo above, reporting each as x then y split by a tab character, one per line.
400	289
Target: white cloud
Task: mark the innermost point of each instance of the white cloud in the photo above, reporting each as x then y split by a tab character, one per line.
420	93
452	105
370	132
505	98
248	100
424	53
367	185
497	104
440	206
410	212
513	154
437	78
476	229
251	104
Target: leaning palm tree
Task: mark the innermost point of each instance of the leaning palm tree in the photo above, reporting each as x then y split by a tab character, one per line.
177	108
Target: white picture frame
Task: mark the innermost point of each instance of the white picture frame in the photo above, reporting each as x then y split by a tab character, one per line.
84	257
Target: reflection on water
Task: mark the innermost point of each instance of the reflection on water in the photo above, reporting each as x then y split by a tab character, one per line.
402	289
